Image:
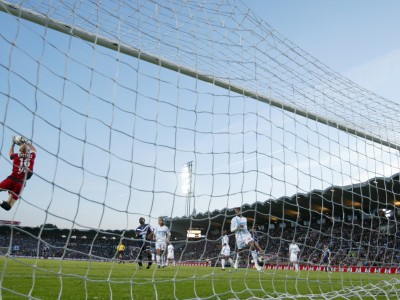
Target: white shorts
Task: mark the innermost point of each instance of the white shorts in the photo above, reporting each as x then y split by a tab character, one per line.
161	245
225	251
243	241
170	256
293	258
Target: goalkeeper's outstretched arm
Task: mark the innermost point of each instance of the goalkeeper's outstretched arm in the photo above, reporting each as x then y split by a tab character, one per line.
31	147
11	152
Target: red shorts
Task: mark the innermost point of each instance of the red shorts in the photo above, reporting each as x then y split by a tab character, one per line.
13	187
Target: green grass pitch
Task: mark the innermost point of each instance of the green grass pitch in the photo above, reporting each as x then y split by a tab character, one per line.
23	278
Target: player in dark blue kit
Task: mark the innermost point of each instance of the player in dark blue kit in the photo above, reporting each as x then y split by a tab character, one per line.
326	258
144	234
254	234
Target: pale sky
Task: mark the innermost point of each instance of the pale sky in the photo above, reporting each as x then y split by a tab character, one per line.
357	38
93	177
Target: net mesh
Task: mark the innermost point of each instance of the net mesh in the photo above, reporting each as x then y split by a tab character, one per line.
305	152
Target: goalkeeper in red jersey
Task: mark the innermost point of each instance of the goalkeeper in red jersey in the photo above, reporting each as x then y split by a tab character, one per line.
22	170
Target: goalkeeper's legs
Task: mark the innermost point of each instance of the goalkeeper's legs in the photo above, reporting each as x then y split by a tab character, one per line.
6	205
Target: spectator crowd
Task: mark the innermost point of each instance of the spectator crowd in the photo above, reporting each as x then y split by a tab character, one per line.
353	243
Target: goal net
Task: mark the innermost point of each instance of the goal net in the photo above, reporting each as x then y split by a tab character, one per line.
186	110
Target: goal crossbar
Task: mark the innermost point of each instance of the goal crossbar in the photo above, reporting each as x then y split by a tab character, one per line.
115	45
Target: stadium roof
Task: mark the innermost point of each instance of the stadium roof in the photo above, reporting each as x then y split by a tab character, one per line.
334	202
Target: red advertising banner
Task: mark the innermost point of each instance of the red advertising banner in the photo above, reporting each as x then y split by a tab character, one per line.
350	269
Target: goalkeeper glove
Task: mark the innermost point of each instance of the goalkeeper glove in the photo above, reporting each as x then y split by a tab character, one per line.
24	140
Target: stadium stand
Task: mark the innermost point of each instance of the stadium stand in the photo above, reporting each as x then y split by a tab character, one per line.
360	232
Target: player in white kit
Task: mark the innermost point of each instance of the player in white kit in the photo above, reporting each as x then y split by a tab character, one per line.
225	251
243	238
161	235
294	251
170	255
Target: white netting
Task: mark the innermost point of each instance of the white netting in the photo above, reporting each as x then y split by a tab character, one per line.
119	95
228	41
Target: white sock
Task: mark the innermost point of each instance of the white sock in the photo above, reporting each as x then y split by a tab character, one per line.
255	257
158	259
223	263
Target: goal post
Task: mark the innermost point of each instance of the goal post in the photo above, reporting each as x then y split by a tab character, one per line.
186	110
